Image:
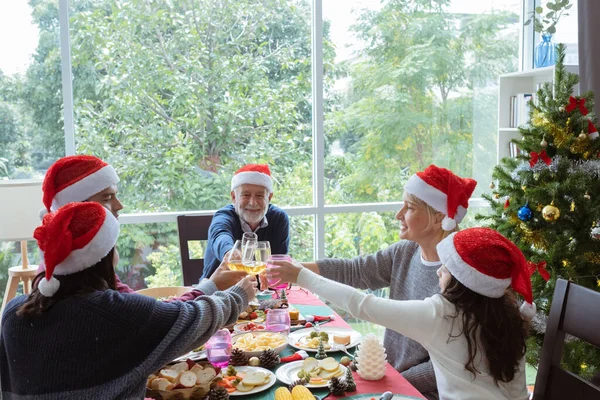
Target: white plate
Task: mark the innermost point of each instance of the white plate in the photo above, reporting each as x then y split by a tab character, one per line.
288	373
378	395
192	355
256	389
298	338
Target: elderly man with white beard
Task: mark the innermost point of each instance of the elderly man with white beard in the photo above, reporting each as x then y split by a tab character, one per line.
250	211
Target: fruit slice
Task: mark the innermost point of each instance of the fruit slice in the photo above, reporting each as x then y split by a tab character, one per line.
254	378
309	364
244	388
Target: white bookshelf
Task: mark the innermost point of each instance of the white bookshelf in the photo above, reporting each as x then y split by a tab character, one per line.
510	85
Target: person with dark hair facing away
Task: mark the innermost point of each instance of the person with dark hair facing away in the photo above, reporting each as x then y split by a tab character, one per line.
473	330
251	211
76	337
83	178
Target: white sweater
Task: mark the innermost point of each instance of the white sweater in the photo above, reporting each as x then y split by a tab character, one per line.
427	322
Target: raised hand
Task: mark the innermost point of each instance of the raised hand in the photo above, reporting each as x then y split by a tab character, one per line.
249	285
224	278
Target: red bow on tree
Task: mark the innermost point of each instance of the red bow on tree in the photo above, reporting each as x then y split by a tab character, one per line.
539	267
536	156
574	103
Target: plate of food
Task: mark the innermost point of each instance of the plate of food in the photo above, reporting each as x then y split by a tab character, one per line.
241	381
308	339
185	379
194	355
248	327
254	343
317	373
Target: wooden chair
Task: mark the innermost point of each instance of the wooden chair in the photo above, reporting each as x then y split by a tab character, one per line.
575	311
192	227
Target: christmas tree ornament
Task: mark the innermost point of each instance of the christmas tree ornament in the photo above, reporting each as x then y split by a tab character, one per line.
598	282
582	135
283	295
587	196
592	131
297	356
492	185
525	213
524	187
543	143
595	233
337	387
371	358
536	176
535	157
550	213
591	257
507	202
566	263
350	384
539	207
496	196
254	362
238	357
218	393
297	382
540	268
269	359
321	351
561	108
572	205
576	103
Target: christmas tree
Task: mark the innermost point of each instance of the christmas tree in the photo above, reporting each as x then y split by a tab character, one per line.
546	201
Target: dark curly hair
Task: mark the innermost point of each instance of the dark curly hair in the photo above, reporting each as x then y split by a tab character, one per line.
498	324
100	276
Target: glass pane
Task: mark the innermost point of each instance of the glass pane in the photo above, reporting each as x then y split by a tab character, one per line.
178	95
415	84
31	127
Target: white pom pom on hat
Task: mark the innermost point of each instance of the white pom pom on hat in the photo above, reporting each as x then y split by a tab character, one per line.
444	191
48	287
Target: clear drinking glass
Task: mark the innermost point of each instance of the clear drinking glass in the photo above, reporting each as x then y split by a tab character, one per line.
277	257
278	320
218	348
249	244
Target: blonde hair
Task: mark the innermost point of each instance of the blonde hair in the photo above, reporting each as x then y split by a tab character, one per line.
432	212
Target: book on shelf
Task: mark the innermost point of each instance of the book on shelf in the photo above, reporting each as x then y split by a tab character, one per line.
519	109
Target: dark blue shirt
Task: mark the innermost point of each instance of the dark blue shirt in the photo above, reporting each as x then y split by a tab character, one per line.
226	228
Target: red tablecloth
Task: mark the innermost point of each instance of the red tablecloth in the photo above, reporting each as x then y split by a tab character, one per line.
393	381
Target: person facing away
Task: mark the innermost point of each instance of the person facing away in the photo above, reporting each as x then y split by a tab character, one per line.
251	193
435	201
473	329
76	337
83	178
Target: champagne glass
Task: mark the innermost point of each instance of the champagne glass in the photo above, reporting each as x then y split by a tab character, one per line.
277	257
218	348
249	245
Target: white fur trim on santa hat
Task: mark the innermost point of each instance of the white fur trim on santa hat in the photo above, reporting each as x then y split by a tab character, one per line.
48	288
437	199
467	275
85	188
593	135
94	251
252	178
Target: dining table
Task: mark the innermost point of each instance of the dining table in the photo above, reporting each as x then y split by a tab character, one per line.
309	304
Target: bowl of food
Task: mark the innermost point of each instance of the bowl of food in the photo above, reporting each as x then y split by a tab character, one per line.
165	292
254	343
248	327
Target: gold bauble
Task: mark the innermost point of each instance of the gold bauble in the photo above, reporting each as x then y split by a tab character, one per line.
582	135
573	206
496	196
550	213
543	143
492	185
587	196
566	263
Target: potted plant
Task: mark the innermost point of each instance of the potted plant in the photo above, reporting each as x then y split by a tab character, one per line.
544	22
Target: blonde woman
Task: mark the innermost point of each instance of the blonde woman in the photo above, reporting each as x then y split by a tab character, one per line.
435	201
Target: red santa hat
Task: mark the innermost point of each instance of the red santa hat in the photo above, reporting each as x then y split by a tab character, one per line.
444	192
592	131
488	263
76	178
253	174
74	238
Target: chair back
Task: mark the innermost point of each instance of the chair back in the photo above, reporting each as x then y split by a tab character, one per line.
192	228
575	311
165	291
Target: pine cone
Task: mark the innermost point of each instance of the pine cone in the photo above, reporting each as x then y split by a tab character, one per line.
300	382
337	387
238	358
269	359
218	393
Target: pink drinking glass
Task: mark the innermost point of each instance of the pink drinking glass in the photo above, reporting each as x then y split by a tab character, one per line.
277	257
278	320
218	348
